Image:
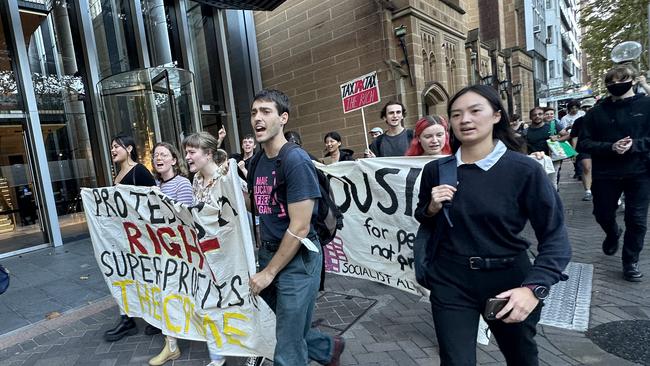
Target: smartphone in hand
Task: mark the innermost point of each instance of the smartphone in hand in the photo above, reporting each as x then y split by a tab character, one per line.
493	307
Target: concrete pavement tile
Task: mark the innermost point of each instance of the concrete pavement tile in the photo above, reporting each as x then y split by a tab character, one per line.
12	321
383	346
402	358
551	358
28	345
411	349
189	363
428	361
365	358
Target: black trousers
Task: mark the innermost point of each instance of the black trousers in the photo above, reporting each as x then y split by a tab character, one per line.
606	193
458	298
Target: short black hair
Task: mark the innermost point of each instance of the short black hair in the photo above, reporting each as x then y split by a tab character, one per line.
293	136
573	103
280	99
333	135
392	102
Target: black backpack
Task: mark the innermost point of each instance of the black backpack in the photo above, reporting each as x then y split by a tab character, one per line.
329	217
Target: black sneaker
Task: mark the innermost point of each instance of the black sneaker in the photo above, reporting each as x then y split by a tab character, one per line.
610	244
631	272
125	327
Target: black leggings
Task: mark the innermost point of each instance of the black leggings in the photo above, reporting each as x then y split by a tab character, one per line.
458	297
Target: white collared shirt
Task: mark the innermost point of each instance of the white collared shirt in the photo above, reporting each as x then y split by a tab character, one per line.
487	162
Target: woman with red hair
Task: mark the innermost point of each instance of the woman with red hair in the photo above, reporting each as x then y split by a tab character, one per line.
431	137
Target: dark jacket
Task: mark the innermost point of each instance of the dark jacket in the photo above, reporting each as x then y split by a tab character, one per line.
610	121
344	155
513	192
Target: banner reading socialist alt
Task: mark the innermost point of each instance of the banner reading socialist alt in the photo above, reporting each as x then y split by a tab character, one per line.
378	198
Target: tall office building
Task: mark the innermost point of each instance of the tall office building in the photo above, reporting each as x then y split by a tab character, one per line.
75	72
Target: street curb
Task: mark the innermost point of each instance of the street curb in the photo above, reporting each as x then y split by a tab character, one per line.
28	332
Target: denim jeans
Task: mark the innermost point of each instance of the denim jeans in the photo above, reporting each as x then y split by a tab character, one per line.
292	296
606	192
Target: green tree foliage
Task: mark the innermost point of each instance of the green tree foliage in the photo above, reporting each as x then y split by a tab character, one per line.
606	23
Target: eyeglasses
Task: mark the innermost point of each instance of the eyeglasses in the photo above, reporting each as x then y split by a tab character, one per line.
162	155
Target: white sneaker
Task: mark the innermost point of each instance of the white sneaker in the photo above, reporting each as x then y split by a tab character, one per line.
217	363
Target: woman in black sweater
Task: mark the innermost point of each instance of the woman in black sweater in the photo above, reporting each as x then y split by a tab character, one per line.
124	154
474	205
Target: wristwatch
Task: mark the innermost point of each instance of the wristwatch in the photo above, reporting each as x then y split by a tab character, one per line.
540	292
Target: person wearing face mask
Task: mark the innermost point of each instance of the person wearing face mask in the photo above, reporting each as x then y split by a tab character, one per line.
616	132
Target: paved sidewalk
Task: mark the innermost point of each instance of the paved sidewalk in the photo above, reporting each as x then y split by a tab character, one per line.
382	325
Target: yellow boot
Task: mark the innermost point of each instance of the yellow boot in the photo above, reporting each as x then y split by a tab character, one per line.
165	355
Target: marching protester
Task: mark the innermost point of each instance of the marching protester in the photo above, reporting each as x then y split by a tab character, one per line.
616	133
574	112
333	151
476	217
289	274
209	164
375	132
396	139
536	135
431	137
517	125
171	178
248	150
583	160
549	117
124	154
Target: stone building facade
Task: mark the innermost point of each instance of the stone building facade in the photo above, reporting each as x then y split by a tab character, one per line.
307	48
496	52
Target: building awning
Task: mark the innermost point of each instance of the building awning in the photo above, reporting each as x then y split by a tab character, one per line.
243	4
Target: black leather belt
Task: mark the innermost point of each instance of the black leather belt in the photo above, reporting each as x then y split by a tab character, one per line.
481	263
273	246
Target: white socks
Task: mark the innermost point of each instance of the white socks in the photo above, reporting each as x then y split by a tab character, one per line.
172	343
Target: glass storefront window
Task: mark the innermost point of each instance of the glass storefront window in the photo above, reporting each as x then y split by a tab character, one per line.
114	36
59	94
162	33
152	105
19	214
203	40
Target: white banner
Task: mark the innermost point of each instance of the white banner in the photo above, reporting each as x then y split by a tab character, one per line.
378	198
182	269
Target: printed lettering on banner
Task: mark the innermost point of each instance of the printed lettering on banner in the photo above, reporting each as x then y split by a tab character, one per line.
360	92
182	269
378	199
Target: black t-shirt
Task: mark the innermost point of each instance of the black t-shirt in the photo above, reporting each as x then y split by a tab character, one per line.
301	184
536	138
577	126
139	175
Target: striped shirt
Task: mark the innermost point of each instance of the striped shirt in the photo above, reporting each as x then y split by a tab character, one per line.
178	188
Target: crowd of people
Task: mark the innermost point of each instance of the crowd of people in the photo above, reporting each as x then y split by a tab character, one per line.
475	199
